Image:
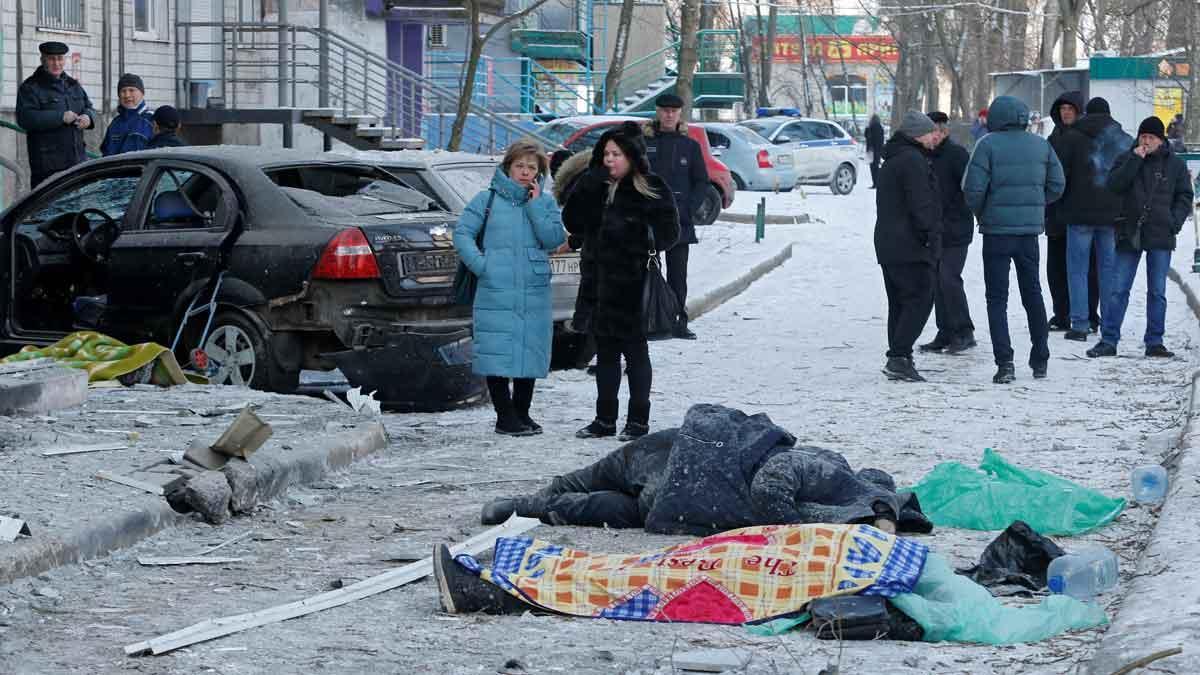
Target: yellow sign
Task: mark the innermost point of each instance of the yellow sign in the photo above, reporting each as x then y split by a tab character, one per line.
1168	102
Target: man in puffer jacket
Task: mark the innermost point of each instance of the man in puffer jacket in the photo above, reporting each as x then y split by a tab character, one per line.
1153	182
1089	209
1012	176
133	127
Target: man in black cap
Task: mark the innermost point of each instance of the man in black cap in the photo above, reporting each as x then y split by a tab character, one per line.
679	161
133	126
166	128
54	110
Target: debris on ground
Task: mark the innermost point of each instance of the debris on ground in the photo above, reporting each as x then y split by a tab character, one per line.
11	528
1015	562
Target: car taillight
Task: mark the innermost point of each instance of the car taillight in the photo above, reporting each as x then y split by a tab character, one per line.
347	256
764	160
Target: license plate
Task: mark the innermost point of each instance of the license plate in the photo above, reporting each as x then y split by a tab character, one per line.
785	159
428	262
564	265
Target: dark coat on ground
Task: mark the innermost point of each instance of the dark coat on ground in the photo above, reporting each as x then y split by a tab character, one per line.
1055	226
677	159
165	139
565	179
129	131
1157	198
618	233
908	221
1088	151
874	136
53	145
949	165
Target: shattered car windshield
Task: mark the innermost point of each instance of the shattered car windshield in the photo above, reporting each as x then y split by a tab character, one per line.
468	181
111	195
331	190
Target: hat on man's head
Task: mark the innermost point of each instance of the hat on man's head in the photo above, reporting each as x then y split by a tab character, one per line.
53	48
1097	106
166	117
130	80
1152	126
668	101
914	125
939	117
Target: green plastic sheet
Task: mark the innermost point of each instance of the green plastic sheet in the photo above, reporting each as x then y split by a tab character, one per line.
954	608
996	494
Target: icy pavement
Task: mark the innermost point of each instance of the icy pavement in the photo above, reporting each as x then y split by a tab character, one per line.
804	344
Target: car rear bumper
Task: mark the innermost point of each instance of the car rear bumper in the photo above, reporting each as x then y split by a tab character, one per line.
776	178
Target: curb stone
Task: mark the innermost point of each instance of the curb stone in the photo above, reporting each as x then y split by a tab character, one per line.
1168	566
697	307
745	219
148	514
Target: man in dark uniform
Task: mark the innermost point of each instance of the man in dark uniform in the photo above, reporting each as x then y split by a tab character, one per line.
54	111
680	162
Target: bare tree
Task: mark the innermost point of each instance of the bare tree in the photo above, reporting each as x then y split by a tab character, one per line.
689	27
1069	11
607	99
475	52
1050	33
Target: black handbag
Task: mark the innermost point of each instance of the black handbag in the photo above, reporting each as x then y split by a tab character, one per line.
466	281
660	305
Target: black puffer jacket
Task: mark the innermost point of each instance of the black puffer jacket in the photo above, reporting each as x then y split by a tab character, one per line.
53	145
908	224
1157	199
1087	152
949	164
679	161
1055	226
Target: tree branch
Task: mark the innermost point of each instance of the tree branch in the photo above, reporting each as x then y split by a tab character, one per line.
508	19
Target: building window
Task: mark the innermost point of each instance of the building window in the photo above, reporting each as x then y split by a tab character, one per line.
849	95
150	19
437	35
61	14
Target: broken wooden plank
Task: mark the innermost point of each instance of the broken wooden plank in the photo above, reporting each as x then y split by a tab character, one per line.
215	628
131	482
244	436
185	560
80	449
11	527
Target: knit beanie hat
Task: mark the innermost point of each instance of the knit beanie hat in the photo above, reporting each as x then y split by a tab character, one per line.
1097	106
628	137
130	80
1152	126
915	124
166	117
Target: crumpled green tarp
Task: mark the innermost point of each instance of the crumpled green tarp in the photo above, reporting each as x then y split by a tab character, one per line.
105	358
992	497
955	608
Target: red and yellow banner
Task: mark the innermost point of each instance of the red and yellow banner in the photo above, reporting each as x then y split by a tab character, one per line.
834	49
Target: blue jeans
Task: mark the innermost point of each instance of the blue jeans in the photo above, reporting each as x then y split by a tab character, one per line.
1022	251
1080	241
1157	263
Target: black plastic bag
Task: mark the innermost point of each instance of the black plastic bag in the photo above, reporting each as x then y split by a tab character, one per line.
660	305
465	281
861	617
1015	562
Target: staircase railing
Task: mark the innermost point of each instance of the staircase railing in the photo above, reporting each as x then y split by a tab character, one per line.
259	65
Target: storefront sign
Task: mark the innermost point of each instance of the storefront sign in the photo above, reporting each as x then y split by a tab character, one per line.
833	49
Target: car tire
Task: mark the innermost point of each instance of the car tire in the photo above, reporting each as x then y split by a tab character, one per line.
242	337
710	208
738	183
843	180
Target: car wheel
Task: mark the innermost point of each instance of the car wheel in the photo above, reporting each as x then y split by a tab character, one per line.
238	351
708	211
842	182
738	183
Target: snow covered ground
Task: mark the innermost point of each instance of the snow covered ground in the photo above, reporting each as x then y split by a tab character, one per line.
804	344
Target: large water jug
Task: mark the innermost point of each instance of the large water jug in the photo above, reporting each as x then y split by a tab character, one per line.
1149	484
1084	574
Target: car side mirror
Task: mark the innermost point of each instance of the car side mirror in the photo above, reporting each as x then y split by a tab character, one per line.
779	140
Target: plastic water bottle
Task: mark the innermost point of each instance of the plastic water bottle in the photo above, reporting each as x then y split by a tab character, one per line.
1149	484
1085	574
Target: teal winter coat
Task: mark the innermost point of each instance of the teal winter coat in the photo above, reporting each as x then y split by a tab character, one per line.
1013	174
513	321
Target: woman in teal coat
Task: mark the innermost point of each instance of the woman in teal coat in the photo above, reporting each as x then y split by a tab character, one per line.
513	322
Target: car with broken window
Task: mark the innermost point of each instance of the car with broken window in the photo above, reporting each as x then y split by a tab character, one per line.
288	260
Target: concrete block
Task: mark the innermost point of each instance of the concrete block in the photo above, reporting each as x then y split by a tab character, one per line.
243	484
209	494
41	389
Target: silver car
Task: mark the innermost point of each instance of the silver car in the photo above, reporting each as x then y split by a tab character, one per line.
824	153
753	161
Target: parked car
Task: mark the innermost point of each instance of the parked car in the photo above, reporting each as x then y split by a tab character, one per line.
323	262
452	179
580	133
753	161
824	153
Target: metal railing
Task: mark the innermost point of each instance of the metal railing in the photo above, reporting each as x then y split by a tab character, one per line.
517	84
261	65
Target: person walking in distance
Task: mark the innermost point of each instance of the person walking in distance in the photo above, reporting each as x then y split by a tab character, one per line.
513	326
1010	179
874	142
1157	195
679	161
623	213
54	111
956	332
908	238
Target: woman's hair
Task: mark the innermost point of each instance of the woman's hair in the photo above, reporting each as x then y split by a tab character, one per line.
522	148
635	175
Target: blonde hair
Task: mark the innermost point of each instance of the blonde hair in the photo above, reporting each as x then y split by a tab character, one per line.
523	148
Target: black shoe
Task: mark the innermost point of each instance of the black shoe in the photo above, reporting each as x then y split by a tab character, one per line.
899	368
597	429
682	332
1056	324
533	427
962	344
1159	352
1076	335
1039	370
1102	349
511	425
1005	373
633	431
497	511
939	343
461	592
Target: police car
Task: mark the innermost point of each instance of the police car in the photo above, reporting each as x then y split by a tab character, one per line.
824	154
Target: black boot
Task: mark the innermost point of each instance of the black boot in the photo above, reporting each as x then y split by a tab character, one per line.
681	329
522	399
637	422
938	344
499	510
507	422
1005	373
961	343
461	592
1076	335
900	368
605	424
1159	352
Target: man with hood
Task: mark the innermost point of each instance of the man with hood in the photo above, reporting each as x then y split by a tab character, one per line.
1157	198
133	127
54	111
679	161
1088	151
1066	110
908	238
1012	176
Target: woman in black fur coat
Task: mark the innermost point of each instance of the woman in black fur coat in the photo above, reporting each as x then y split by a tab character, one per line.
623	213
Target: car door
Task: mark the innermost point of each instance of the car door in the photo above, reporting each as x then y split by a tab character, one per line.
183	222
802	142
822	148
843	149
